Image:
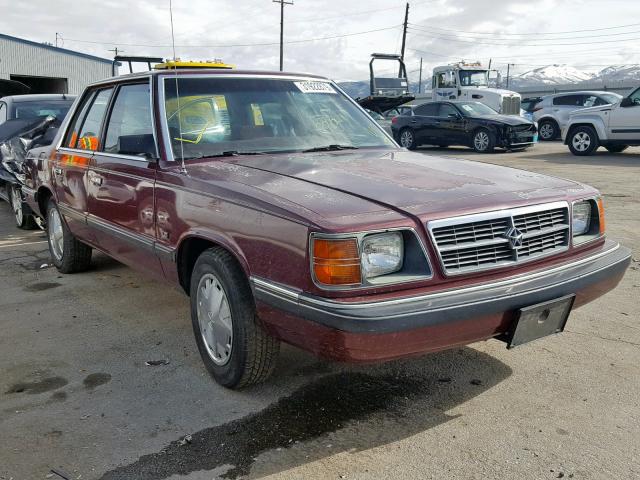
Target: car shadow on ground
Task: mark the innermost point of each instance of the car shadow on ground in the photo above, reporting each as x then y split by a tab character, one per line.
628	158
342	409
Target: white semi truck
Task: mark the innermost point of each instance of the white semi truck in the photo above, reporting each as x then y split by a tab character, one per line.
469	81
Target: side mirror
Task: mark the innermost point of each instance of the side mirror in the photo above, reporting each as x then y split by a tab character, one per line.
142	145
627	102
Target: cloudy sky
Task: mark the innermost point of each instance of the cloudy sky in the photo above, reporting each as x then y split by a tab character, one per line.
588	34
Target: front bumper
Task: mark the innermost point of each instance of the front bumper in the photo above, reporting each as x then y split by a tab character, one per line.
381	330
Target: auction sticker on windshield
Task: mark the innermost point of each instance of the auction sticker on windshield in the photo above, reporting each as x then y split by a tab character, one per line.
314	87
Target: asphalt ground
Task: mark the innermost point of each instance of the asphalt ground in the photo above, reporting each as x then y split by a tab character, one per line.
77	396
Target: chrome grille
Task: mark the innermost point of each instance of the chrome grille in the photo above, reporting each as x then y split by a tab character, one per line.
494	239
510	106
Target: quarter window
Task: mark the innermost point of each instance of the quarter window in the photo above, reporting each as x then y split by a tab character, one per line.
130	129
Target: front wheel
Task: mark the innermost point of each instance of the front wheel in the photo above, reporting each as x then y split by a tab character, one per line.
616	148
23	220
583	141
483	141
233	345
408	139
68	254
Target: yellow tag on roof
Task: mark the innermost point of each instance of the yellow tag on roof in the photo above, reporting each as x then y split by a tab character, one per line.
175	64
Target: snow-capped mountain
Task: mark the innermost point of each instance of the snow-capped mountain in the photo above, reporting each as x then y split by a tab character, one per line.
619	73
551	75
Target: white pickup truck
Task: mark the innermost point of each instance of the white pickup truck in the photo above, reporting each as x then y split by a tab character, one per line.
614	127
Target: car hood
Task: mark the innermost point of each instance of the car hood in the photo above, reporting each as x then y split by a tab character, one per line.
409	183
512	120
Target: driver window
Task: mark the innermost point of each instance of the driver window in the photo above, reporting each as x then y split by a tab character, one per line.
3	112
635	97
130	129
446	110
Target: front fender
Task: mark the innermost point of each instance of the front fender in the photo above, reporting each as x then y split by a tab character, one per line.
594	121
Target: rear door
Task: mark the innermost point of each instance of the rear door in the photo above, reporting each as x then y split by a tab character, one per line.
121	179
71	162
564	105
424	122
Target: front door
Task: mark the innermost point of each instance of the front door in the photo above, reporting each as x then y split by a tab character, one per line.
121	180
72	159
423	122
624	122
450	128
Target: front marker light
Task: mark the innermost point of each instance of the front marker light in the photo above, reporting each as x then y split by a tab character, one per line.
382	253
581	220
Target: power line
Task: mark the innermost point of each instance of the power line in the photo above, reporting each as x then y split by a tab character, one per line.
475	42
265	44
412	26
533	33
356	14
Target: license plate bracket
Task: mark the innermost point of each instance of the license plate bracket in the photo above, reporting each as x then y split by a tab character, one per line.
540	320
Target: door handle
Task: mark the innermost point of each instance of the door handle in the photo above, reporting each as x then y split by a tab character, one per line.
57	171
414	121
96	180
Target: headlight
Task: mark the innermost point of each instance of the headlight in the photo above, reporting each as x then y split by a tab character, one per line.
587	220
381	254
581	221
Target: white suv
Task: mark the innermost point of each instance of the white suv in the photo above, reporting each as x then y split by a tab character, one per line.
552	112
614	127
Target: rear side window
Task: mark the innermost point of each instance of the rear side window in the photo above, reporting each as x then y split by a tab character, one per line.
427	110
569	100
130	129
84	133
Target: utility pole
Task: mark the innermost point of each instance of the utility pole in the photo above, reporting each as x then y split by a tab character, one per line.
282	4
508	68
58	35
115	51
420	78
404	34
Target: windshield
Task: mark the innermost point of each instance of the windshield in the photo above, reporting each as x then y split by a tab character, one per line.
262	115
34	110
473	78
472	109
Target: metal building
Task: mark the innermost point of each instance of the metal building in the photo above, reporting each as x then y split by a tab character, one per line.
47	69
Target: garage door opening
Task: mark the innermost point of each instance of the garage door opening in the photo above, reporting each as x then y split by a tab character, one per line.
42	84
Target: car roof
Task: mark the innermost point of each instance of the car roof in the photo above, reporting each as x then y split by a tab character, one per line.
205	72
37	98
581	92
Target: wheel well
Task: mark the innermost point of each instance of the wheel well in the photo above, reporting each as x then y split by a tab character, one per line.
42	197
188	252
578	125
549	120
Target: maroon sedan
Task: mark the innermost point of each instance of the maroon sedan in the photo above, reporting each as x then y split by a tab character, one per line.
287	214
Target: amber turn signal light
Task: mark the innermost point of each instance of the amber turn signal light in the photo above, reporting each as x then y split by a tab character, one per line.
601	215
336	261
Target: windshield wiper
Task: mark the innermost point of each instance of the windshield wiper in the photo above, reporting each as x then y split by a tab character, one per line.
331	148
228	153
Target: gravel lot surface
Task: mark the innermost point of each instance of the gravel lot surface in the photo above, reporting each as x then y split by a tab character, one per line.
77	396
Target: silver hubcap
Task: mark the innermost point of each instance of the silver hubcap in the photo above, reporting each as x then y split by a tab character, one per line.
481	141
581	141
406	139
56	234
16	204
546	131
214	319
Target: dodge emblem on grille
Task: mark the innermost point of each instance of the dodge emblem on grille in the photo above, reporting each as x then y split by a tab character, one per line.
514	236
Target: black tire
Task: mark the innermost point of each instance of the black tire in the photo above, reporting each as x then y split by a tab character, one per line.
548	130
24	220
69	255
616	148
407	138
483	141
253	352
583	140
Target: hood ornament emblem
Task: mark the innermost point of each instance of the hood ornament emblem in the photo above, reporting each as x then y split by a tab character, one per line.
515	237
